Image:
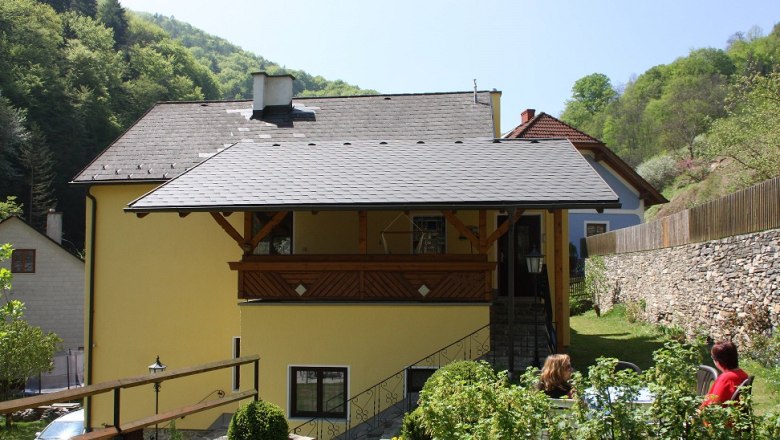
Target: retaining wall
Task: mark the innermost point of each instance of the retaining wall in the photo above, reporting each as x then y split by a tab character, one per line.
727	288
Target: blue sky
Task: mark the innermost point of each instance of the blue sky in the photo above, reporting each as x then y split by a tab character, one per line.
532	51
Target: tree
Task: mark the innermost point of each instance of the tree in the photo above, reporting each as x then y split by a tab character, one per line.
750	134
113	16
591	95
38	164
25	350
84	7
9	208
12	134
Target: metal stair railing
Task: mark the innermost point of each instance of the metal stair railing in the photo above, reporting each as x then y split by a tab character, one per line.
367	410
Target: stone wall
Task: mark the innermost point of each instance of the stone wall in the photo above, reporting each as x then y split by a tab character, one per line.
726	289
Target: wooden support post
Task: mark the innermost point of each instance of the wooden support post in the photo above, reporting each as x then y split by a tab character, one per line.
248	217
483	250
231	231
362	232
560	291
267	228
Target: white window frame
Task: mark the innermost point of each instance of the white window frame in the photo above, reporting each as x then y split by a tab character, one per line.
594	222
414	229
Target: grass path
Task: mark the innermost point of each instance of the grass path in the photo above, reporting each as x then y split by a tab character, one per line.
611	335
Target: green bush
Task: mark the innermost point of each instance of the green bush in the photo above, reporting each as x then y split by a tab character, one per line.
258	421
659	171
412	427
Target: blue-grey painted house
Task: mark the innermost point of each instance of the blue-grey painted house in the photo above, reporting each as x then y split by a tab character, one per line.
635	193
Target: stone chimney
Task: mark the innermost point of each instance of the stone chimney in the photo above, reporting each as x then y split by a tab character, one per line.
272	94
527	115
54	225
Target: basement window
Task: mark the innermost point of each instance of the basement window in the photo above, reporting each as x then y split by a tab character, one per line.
23	261
318	392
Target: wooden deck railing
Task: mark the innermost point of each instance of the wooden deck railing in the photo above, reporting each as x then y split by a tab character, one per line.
430	278
116	386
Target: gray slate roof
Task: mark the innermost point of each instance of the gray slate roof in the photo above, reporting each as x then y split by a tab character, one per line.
173	137
295	174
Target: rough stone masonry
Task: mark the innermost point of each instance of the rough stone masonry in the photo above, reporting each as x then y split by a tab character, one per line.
726	289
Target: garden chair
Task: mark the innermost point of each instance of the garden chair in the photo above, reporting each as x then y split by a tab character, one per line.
746	387
623	365
705	376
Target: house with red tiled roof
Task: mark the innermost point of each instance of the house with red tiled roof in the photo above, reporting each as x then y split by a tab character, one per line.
635	193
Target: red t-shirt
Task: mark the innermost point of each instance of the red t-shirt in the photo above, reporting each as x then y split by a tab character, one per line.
724	386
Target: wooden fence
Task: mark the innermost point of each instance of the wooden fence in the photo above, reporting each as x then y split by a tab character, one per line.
751	210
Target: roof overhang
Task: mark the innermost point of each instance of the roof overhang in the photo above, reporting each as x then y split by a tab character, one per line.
394	175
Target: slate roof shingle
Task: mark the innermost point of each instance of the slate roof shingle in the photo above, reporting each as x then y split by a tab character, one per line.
368	174
174	136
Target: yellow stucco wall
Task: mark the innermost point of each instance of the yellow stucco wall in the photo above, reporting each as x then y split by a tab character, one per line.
162	287
374	341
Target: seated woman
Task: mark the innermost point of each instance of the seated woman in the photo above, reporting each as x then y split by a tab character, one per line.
554	380
726	359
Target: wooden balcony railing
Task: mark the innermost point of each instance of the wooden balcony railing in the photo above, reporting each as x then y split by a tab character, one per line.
427	278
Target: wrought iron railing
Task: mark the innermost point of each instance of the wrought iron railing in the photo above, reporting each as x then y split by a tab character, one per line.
393	396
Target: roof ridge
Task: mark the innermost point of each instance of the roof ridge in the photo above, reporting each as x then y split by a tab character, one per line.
207	101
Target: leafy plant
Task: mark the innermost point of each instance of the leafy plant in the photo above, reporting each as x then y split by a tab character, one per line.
659	171
635	310
412	426
596	282
258	420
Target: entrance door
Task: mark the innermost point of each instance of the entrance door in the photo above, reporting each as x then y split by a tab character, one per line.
528	236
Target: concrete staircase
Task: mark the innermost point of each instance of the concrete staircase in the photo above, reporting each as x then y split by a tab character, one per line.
529	326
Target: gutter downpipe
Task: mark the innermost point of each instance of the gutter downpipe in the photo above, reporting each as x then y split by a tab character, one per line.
90	306
510	287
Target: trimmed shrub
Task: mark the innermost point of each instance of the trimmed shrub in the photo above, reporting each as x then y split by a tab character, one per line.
412	428
258	421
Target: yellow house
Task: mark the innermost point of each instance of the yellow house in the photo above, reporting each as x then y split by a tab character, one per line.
341	239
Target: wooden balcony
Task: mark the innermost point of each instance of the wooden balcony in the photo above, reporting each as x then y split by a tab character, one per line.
402	278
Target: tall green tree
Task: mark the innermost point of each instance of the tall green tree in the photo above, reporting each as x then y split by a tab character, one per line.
37	163
84	7
591	95
9	208
114	16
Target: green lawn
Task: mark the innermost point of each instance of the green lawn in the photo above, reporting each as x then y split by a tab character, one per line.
611	335
21	430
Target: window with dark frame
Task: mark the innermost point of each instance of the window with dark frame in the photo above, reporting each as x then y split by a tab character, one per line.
237	368
595	229
23	261
279	241
430	234
318	392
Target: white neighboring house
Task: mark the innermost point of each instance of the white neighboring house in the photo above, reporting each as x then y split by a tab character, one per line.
47	278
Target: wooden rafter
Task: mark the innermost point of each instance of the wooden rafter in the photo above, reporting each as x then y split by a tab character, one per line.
231	231
501	230
267	228
463	229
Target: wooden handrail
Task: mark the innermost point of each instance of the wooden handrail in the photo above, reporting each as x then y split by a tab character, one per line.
90	390
112	431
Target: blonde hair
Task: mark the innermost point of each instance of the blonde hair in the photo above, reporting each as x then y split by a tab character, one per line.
556	372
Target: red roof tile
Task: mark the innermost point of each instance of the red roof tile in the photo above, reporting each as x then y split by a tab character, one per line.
545	126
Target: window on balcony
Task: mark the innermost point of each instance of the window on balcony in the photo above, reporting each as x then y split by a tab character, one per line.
430	234
23	261
279	241
318	392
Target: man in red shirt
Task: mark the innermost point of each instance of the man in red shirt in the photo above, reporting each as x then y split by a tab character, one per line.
726	359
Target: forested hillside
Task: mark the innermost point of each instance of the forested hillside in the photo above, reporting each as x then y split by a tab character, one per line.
700	127
74	74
